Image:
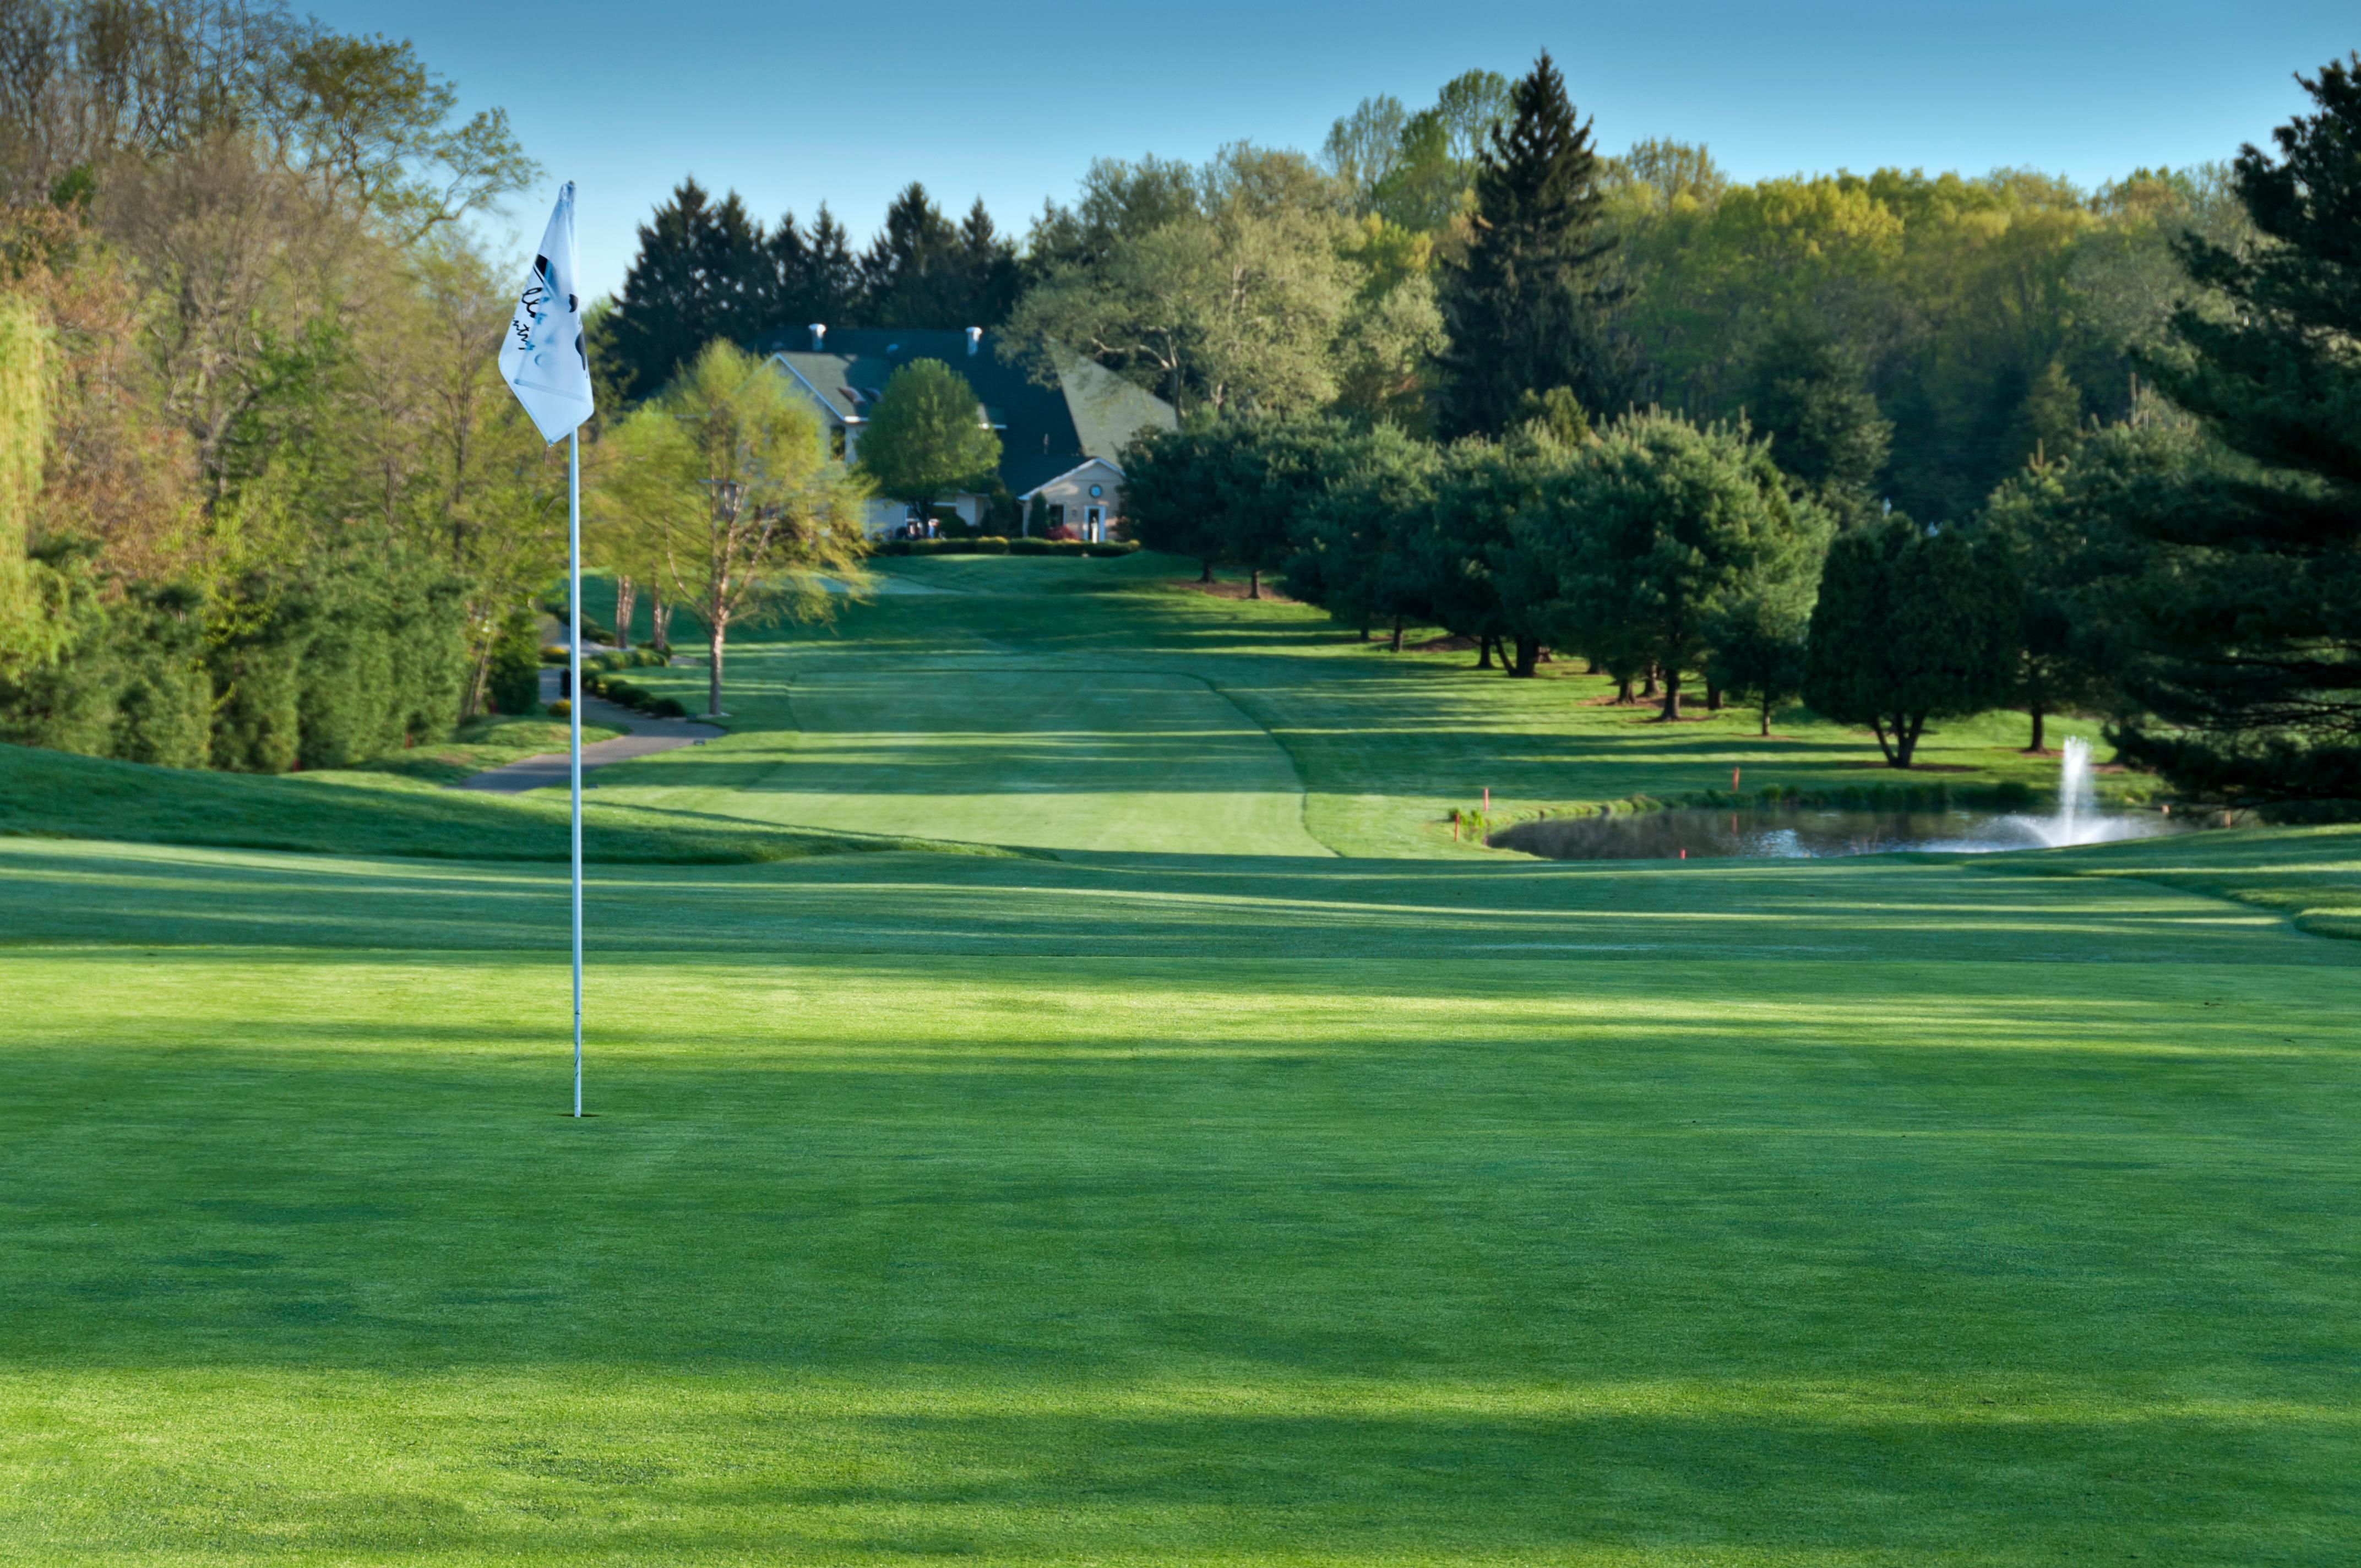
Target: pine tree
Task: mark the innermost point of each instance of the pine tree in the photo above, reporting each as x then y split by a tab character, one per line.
2252	673
1528	307
906	269
703	271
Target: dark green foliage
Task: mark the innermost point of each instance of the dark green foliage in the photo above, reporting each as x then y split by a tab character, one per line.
163	694
2075	565
2250	671
702	272
1759	653
922	271
1170	494
707	269
257	662
1656	530
515	678
1809	397
1527	306
1910	627
384	666
1352	557
1477	579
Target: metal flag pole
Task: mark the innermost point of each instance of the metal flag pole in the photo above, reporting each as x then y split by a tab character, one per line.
573	717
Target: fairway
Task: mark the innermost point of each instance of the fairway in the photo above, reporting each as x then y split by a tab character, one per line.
1241	1172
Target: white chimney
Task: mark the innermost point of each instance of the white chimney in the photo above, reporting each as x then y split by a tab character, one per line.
975	340
819	336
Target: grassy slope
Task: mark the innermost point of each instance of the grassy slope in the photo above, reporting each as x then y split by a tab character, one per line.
1100	704
1211	1207
485	743
49	793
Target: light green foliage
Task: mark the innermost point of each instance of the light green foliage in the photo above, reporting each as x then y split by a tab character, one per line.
27	629
758	522
926	438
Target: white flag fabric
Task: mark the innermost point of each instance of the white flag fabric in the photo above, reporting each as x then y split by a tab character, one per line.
542	359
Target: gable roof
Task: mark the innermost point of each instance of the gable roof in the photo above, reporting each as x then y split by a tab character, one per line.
1044	431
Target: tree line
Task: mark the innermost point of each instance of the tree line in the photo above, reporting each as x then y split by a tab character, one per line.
2185	568
267	504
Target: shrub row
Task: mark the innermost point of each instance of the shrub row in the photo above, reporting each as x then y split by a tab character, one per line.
992	544
615	688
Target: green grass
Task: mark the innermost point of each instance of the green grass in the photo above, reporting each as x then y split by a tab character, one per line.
52	795
1105	704
482	745
1247	1198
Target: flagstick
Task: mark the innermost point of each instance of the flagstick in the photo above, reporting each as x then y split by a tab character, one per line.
574	717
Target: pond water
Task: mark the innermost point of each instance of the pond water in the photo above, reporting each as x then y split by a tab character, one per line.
1797	834
1806	834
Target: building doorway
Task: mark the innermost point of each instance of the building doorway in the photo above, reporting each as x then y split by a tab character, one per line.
1095	524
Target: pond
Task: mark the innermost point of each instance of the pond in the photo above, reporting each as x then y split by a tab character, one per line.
1795	833
1806	834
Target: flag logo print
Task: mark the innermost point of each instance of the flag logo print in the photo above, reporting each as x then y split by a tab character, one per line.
543	357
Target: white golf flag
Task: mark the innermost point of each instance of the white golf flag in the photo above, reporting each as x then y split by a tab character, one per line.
542	359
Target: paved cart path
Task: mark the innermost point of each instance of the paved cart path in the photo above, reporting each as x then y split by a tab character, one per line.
648	737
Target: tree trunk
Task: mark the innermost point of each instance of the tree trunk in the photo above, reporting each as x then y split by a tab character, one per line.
660	621
1253	581
1905	740
715	636
1207	575
1648	682
2035	747
1484	652
1672	709
1766	716
1365	631
1712	698
627	594
1623	692
1397	642
1528	654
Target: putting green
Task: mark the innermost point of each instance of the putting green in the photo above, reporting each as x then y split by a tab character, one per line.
1151	1198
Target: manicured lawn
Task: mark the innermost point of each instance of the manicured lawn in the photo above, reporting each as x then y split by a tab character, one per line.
1107	705
1201	1187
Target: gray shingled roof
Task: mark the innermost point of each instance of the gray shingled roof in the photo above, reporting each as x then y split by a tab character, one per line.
1044	431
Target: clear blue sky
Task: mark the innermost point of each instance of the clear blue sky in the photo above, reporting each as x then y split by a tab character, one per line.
793	103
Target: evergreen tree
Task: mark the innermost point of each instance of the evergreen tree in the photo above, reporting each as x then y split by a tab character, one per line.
1528	305
703	271
1910	627
911	266
1808	395
815	277
2252	673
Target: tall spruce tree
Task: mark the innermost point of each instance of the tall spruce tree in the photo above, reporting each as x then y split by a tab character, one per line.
1529	305
703	272
2251	675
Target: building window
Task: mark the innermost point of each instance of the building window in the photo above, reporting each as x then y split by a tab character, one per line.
1096	492
1057	514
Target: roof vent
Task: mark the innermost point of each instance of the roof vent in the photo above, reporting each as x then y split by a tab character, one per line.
975	340
819	336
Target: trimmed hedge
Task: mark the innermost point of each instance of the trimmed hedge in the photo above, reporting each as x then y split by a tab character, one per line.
992	544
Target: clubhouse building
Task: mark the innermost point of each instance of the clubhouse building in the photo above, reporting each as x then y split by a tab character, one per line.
1060	446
